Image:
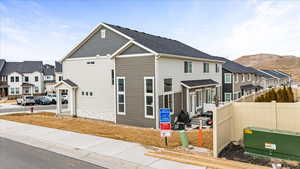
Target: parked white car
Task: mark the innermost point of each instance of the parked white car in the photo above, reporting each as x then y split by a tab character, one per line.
52	97
26	100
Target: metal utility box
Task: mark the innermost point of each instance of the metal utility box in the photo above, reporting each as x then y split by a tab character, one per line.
272	143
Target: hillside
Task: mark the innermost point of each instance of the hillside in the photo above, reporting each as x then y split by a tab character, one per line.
286	63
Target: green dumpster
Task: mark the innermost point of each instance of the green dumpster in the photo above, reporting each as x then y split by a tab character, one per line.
272	143
183	138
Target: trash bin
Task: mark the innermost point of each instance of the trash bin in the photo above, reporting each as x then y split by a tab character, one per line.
183	138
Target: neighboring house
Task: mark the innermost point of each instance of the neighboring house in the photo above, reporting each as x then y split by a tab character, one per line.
238	80
264	80
125	76
279	78
3	80
49	78
23	77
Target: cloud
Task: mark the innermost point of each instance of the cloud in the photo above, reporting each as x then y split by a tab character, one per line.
274	28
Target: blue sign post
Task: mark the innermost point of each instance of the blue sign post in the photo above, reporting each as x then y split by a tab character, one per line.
165	115
165	123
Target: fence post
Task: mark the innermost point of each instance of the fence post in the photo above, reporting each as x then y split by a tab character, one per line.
276	113
215	133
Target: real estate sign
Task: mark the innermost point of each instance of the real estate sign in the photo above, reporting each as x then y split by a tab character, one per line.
165	122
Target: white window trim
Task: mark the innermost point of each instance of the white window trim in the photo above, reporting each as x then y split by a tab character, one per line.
249	77
188	63
123	92
236	78
205	63
243	77
173	96
149	94
230	94
226	74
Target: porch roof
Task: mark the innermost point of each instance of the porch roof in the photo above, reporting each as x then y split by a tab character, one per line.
199	83
67	82
26	84
248	87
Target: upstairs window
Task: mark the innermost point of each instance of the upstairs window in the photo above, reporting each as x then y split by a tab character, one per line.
217	68
236	78
103	33
206	67
243	77
60	78
12	79
17	79
26	79
187	67
227	78
248	77
36	78
167	85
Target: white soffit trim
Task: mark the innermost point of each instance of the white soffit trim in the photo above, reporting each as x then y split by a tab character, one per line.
268	73
201	86
62	82
190	58
136	55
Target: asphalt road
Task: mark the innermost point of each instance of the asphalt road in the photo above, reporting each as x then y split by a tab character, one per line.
14	155
26	108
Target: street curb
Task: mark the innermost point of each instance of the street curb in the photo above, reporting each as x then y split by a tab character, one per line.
76	153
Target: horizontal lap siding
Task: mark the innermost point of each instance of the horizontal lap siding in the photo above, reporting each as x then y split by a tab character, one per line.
134	69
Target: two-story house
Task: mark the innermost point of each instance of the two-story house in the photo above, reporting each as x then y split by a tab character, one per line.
23	77
237	80
126	76
279	77
49	78
3	80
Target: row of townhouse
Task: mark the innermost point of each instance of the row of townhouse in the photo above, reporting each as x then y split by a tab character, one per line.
126	76
26	78
239	80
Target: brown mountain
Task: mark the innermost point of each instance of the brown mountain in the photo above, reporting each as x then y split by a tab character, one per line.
286	63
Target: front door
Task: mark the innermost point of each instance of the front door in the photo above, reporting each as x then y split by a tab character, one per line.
192	104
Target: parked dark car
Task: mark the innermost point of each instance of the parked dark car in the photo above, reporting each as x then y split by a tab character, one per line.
37	99
43	100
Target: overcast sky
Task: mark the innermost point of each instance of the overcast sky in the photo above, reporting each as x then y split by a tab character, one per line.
47	30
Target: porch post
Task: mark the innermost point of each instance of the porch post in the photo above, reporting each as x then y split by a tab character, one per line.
58	101
72	102
187	100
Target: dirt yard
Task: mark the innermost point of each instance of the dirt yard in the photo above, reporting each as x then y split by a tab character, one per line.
150	137
7	101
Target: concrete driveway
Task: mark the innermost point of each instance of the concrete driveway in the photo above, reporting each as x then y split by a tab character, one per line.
13	107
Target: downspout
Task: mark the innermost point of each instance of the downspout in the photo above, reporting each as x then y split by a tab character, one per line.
156	57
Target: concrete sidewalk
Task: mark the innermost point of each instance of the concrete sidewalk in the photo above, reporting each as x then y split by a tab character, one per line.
105	152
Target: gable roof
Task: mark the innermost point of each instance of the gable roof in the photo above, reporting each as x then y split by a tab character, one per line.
283	73
58	67
2	63
154	44
161	44
275	74
199	83
48	69
260	73
22	67
234	67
